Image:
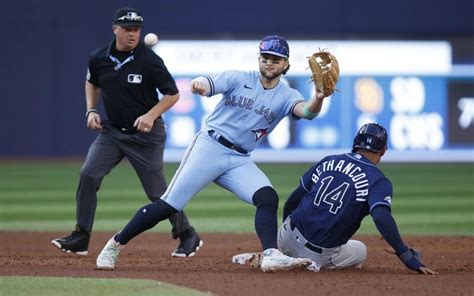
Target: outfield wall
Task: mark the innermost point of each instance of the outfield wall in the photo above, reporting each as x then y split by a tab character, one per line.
427	108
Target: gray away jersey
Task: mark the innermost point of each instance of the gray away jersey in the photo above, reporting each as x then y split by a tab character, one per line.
247	111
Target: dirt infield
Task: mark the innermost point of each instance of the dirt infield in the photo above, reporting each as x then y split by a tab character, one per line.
148	257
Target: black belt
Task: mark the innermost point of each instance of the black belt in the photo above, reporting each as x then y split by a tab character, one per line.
308	244
227	143
128	130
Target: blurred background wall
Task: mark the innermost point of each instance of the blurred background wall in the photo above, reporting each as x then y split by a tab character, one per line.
46	44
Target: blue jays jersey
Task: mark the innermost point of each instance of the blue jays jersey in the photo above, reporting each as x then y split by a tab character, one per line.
247	111
341	191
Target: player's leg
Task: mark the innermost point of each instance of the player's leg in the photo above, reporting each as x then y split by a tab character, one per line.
251	185
351	254
102	157
147	160
292	243
194	172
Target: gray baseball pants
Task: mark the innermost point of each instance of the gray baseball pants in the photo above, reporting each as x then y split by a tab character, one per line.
144	151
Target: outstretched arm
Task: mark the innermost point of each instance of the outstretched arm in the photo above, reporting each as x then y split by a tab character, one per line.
311	108
388	229
201	86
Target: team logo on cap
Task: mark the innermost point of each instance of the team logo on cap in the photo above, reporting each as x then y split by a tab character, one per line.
131	16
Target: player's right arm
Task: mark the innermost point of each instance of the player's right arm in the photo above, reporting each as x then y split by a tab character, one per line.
201	86
92	98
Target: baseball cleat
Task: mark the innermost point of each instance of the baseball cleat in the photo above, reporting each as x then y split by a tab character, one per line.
76	243
252	259
109	255
274	260
190	243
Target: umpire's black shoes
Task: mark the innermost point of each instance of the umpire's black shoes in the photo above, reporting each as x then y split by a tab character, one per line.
189	244
77	242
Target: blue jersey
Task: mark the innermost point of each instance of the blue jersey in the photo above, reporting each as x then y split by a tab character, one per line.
341	191
247	111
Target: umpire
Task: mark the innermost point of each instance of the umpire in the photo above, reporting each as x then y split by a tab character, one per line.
126	74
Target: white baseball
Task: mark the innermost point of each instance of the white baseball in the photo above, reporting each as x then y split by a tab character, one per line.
151	39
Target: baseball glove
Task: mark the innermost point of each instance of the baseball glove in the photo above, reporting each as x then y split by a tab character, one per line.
325	71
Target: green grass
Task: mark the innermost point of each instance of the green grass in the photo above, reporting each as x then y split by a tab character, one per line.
39	286
40	196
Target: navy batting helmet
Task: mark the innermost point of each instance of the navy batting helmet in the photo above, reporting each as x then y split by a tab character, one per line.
372	137
275	45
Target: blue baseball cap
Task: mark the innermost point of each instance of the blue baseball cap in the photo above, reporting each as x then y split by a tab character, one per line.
275	45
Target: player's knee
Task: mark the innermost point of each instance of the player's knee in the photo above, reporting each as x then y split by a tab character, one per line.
87	178
360	250
265	197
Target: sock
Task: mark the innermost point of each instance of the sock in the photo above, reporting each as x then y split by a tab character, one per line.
145	218
266	224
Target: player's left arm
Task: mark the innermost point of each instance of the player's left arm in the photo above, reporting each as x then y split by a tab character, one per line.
311	108
388	229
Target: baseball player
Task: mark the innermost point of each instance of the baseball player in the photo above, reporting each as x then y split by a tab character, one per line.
126	74
333	197
252	105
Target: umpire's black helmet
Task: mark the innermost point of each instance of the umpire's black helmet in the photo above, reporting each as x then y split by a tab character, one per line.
372	137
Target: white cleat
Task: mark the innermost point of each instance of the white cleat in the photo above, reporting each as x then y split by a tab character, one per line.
252	259
275	260
109	254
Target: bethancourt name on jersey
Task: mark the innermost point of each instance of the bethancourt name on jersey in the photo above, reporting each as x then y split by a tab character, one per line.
361	183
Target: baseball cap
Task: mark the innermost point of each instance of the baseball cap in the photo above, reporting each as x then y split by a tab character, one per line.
275	45
128	17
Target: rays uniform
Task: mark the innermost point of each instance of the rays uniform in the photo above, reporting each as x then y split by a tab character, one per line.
247	113
338	192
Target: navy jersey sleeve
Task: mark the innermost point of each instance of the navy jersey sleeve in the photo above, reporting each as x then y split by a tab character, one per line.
161	77
380	194
306	180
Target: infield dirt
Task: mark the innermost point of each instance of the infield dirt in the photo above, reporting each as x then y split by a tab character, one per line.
211	270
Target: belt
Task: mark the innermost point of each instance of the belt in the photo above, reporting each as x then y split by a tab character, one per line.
227	143
128	130
308	245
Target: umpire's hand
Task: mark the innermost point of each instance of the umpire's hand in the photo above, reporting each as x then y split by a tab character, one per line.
93	121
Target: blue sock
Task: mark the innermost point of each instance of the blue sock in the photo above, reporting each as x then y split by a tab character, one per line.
266	224
146	218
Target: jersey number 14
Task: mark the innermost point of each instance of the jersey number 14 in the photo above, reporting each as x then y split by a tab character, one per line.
333	198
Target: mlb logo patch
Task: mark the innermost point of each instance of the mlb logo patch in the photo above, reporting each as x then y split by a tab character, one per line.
134	78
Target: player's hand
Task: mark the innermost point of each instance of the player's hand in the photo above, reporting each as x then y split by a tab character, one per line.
319	94
93	121
144	123
426	270
198	87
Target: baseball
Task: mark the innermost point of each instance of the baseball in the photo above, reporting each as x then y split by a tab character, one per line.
151	39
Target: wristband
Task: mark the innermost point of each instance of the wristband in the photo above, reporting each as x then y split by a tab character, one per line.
92	110
307	113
